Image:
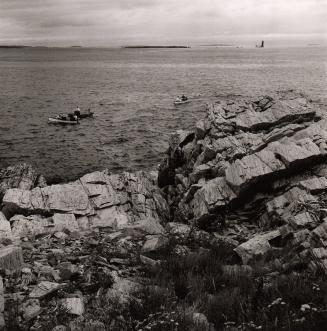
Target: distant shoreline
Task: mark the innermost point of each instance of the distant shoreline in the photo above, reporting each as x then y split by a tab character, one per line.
159	46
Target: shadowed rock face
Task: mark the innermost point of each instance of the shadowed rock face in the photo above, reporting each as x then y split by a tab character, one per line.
22	176
257	166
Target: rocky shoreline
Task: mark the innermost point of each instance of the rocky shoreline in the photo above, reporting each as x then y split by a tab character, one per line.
240	200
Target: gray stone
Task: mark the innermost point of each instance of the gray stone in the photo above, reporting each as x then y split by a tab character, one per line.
314	184
74	306
214	193
11	258
154	243
5	229
22	176
252	168
31	309
256	247
43	289
2	305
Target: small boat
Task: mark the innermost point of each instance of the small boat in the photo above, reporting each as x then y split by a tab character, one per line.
181	101
57	120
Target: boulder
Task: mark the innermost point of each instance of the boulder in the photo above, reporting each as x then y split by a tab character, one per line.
154	243
256	247
31	309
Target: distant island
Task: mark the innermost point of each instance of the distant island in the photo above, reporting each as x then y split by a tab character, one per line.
218	45
156	46
12	46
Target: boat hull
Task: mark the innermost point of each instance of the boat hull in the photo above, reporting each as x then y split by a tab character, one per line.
85	115
53	120
181	102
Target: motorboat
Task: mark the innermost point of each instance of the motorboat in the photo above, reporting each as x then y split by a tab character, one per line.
181	100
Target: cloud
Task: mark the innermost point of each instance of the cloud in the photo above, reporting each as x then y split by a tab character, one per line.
106	22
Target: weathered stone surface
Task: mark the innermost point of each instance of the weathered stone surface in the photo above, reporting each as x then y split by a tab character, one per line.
321	233
303	220
22	176
256	247
149	226
178	230
314	184
214	193
44	288
2	305
122	289
154	243
320	257
11	257
295	153
65	198
252	168
5	229
37	225
62	222
74	306
31	309
96	200
29	226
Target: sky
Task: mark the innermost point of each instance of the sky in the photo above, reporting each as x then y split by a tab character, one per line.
136	22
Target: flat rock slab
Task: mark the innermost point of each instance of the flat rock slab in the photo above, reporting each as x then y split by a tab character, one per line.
44	288
252	168
65	198
74	306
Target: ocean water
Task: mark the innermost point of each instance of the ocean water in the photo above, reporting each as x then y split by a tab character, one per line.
132	93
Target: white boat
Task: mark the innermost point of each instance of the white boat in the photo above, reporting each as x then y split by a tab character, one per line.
180	101
56	120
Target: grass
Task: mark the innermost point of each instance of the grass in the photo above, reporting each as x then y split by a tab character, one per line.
237	296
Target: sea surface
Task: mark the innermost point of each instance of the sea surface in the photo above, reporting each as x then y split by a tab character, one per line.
132	93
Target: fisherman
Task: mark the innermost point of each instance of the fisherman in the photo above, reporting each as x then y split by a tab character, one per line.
184	98
77	112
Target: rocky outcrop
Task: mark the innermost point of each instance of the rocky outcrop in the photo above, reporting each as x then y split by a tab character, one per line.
248	185
254	170
95	200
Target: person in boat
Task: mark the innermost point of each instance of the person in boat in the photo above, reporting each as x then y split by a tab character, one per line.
184	98
77	112
72	117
